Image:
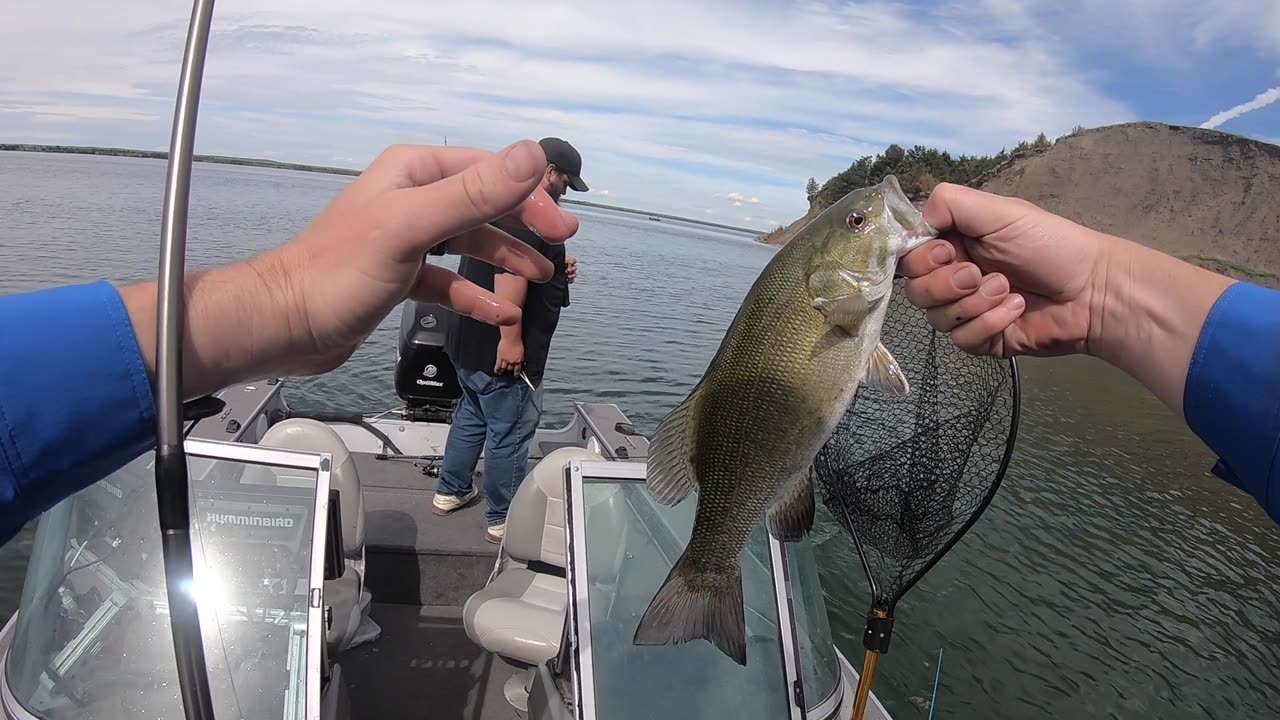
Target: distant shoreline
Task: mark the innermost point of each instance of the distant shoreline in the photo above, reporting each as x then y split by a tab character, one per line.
665	216
278	165
164	155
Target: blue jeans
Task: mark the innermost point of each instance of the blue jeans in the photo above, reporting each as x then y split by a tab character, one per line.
499	414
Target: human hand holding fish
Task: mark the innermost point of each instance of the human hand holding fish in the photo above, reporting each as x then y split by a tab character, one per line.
1050	286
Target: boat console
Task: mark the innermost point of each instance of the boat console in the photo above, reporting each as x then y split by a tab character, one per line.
622	544
587	547
92	638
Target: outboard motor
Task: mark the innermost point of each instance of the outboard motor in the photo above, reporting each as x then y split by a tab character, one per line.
425	377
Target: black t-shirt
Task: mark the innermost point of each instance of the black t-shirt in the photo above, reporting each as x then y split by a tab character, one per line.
473	344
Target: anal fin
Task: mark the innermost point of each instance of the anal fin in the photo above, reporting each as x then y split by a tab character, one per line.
791	517
670	472
884	374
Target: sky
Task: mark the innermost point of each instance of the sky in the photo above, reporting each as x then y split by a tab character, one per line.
714	109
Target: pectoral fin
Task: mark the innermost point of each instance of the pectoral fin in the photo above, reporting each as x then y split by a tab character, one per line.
670	471
791	517
883	373
837	297
846	313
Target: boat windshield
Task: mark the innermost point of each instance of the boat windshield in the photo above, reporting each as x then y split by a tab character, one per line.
820	668
93	638
623	545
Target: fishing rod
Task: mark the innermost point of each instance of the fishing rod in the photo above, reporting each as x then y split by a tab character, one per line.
172	491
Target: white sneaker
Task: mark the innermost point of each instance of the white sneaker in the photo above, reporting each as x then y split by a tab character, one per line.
443	504
494	533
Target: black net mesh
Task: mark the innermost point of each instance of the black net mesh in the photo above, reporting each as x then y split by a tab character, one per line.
906	475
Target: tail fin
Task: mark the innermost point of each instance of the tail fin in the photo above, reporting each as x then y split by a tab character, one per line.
693	604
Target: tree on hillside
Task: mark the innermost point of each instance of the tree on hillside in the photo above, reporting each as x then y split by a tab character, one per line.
918	170
811	189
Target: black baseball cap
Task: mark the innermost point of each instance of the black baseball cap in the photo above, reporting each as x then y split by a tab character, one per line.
564	156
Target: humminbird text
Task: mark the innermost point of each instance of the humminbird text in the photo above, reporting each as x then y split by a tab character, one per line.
252	520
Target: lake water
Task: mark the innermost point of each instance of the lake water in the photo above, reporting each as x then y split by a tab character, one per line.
1111	577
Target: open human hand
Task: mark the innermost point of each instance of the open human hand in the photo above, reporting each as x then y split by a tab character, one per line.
363	254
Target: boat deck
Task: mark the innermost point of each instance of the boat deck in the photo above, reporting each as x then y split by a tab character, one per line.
421	568
414	556
424	666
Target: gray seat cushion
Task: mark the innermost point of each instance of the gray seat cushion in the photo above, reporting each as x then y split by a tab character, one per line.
343	595
520	615
535	522
314	436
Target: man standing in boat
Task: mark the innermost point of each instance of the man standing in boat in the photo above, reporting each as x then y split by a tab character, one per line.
501	369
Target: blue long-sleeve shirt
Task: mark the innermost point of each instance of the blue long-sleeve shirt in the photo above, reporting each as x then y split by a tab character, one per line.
76	403
1232	396
75	400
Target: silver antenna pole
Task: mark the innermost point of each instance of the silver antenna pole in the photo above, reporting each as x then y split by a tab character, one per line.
171	459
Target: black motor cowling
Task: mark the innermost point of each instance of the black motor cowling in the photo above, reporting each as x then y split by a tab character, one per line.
425	377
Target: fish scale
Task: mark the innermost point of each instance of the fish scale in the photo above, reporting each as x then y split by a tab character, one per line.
806	334
751	379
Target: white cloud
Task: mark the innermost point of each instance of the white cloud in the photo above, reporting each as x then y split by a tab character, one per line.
71	112
738	199
1263	99
669	102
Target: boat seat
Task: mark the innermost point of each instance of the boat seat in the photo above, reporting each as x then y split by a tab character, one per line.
341	594
520	614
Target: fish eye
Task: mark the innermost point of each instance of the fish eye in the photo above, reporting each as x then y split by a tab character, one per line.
855	220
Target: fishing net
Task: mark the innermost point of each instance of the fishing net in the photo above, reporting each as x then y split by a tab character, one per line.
908	475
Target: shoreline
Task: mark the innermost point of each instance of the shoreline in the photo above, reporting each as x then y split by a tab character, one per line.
164	155
324	169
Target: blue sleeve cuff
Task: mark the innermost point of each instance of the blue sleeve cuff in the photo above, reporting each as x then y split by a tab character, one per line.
1232	395
75	399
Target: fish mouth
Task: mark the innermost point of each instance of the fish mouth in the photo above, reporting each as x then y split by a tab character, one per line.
910	222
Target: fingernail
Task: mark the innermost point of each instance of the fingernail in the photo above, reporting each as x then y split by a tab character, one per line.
968	278
995	286
523	162
1015	303
943	254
